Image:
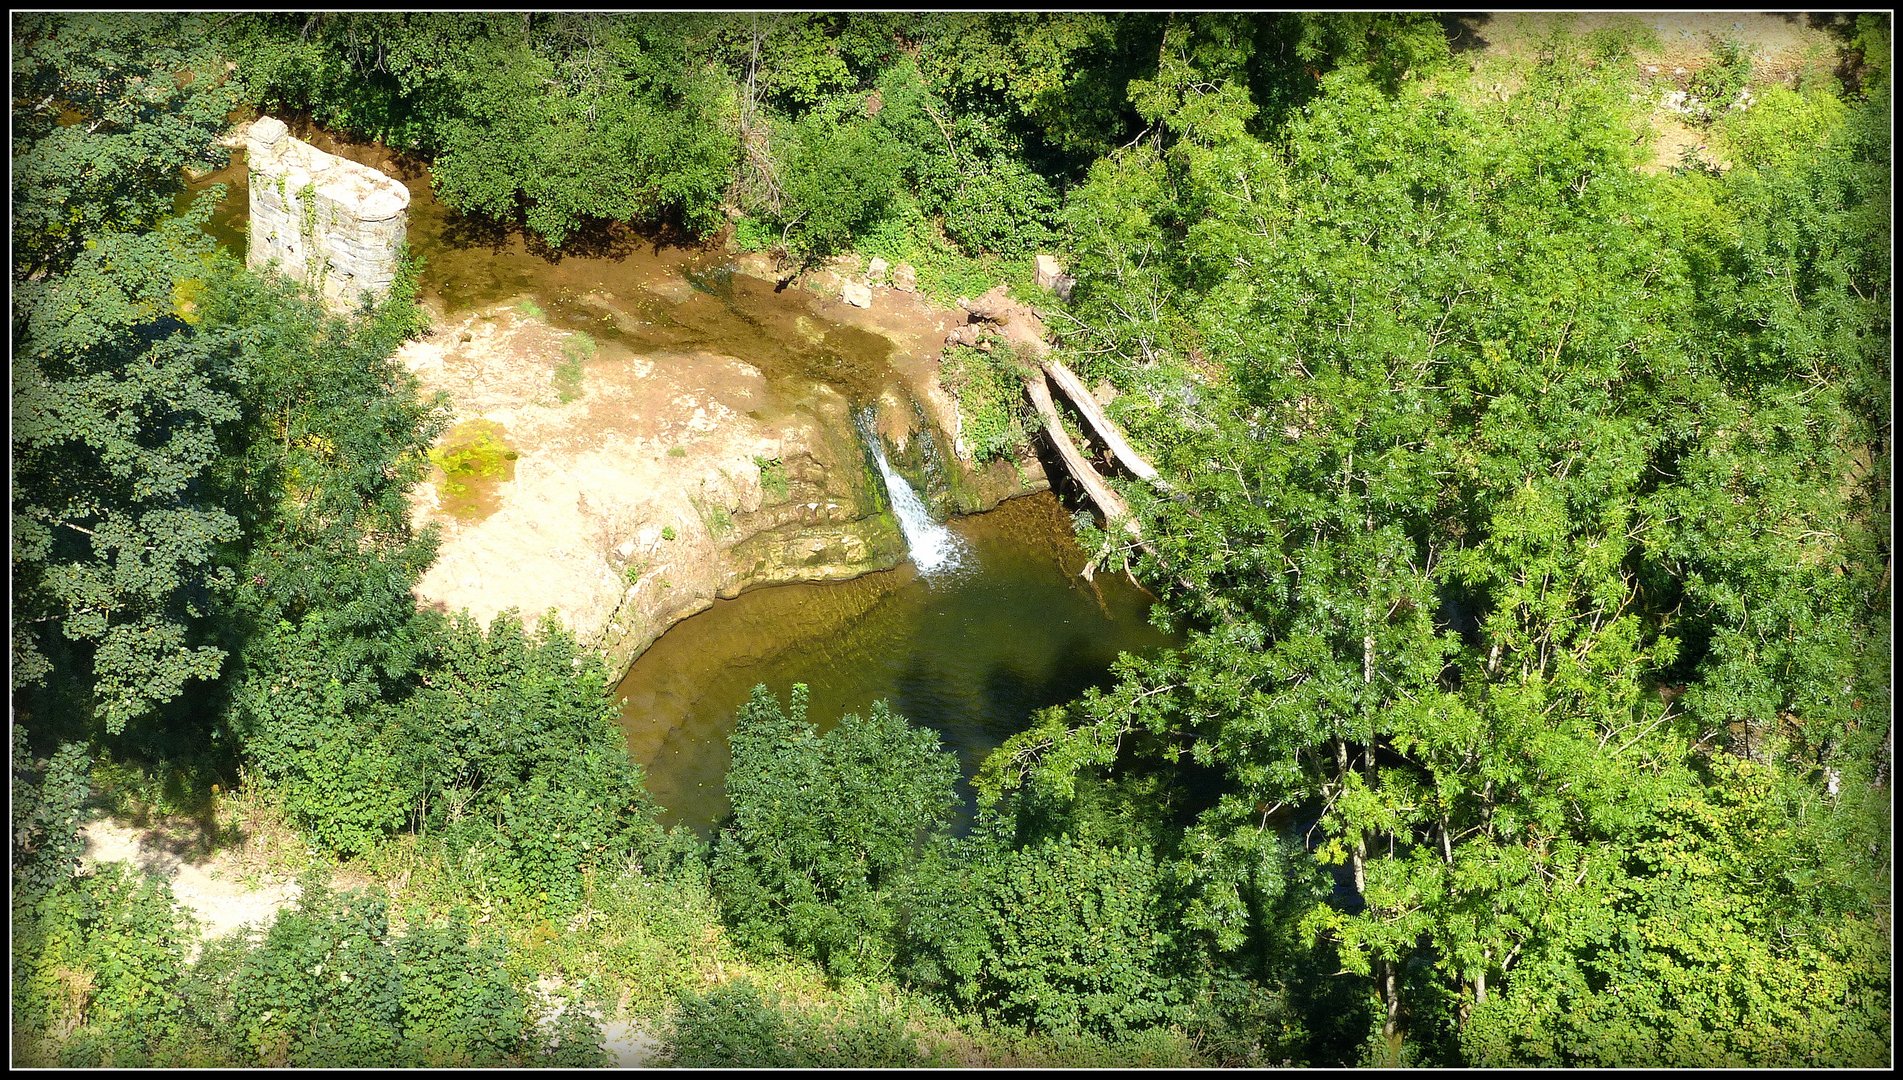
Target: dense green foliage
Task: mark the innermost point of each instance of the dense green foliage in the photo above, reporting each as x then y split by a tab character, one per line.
1063	936
214	568
814	130
106	111
1527	515
559	119
988	385
1525	494
101	978
732	1026
118	405
826	828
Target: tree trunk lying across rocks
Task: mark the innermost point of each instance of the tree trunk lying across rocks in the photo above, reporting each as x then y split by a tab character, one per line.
1106	429
1114	509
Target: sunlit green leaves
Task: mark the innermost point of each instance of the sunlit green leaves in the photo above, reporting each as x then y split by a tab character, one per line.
826	829
1510	475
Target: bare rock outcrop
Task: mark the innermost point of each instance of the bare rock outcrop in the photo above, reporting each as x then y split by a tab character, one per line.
1050	275
672	480
997	313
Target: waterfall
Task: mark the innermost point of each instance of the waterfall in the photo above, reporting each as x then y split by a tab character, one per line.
931	545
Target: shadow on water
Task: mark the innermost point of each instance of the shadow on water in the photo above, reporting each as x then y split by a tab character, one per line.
473	231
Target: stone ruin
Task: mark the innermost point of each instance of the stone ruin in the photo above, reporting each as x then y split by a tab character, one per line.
334	224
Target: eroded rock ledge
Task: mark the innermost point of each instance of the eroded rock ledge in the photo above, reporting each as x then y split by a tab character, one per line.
670	480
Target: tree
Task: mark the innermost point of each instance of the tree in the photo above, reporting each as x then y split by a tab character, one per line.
1061	75
514	748
1731	932
554	121
1453	392
107	109
826	829
119	405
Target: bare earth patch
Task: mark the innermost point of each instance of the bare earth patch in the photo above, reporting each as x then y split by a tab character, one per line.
223	890
1784	47
631	1046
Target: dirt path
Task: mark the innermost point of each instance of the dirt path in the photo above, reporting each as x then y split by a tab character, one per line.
220	890
631	1047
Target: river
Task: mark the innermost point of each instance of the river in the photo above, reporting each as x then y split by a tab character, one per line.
970	649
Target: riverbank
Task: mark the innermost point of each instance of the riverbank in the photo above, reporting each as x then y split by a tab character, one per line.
643	428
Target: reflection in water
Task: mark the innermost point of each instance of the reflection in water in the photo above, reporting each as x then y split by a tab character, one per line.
970	653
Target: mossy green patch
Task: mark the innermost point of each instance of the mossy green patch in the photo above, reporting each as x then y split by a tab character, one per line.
989	389
773	477
576	352
475	460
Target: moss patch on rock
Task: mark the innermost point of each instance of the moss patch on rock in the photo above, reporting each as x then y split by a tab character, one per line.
473	461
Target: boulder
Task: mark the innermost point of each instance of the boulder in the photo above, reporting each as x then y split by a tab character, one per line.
266	131
1050	275
856	293
876	269
1017	323
905	278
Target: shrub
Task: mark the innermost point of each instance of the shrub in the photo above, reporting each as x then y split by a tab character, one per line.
987	197
459	1007
989	388
735	1025
1065	937
825	829
1720	83
837	177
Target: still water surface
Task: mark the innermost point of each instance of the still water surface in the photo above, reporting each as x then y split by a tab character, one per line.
970	652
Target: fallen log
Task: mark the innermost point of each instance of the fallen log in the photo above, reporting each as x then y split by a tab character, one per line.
1114	509
1106	429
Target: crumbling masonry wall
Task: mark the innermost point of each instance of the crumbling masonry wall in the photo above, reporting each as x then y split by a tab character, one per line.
326	221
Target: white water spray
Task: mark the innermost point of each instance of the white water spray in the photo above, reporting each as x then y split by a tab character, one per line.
932	546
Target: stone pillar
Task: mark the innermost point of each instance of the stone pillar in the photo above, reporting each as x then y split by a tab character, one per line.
323	220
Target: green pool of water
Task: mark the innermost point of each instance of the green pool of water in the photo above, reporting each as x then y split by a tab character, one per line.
969	652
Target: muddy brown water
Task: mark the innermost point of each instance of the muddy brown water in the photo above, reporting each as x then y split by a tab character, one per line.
626	290
970	653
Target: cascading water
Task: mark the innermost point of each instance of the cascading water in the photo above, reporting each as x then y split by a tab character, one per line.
931	545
